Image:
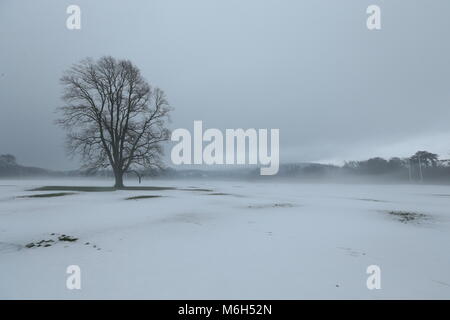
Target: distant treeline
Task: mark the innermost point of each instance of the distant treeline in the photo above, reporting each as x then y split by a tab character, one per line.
422	166
10	168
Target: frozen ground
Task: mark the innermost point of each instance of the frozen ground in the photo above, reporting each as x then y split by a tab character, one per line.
245	241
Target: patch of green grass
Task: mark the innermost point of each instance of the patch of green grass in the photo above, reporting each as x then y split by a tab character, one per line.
143	197
48	195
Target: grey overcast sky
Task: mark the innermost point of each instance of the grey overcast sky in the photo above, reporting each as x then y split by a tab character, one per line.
311	68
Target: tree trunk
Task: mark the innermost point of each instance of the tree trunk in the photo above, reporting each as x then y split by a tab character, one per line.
118	175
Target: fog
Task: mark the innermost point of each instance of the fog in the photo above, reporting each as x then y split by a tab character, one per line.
312	69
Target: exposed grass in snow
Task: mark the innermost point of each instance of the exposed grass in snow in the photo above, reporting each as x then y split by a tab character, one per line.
109	189
42	243
143	197
67	238
49	242
98	189
405	216
273	205
73	188
219	194
197	189
149	188
370	200
48	195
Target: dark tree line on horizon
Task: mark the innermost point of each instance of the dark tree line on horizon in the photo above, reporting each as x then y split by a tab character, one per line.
378	165
422	166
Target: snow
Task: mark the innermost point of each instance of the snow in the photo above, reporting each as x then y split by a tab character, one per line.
252	240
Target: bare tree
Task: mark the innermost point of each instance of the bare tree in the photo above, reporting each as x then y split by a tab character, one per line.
113	117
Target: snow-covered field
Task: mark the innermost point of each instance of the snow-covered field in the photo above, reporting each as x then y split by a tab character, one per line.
240	241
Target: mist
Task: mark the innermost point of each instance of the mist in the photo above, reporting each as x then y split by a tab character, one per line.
335	90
